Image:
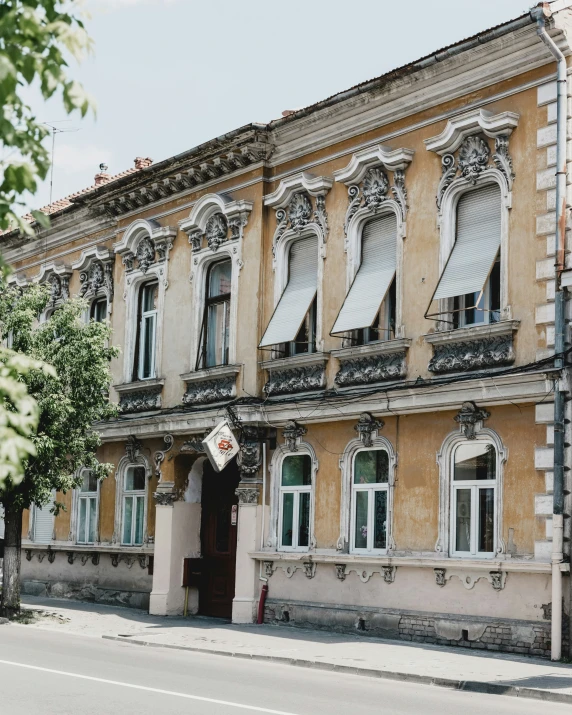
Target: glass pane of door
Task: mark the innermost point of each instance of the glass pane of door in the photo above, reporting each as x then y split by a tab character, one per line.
148	346
139	518
287	518
360	531
127	519
82	518
463	520
380	520
486	520
92	519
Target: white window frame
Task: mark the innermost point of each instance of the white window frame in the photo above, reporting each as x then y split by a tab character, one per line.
135	495
86	496
148	317
445	540
120	473
347	518
276	499
296	491
370	489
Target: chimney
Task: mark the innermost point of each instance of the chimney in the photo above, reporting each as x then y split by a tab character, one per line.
142	163
102	177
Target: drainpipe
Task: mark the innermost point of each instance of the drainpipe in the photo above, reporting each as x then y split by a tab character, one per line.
264	589
541	14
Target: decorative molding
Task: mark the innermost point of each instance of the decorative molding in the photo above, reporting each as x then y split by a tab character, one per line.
293	433
133	448
309	568
303	181
473	355
216	219
440	576
249	459
367	428
470	418
146	243
143	399
247	495
473	122
159	456
269	568
389	573
95	268
371	369
469	578
57	276
209	391
195	443
340	571
300	373
165	498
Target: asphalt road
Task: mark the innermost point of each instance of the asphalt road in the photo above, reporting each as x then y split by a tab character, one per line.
48	673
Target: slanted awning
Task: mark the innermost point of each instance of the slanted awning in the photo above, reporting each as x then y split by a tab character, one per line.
298	294
373	278
476	246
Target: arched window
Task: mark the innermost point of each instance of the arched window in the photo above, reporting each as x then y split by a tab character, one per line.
145	345
98	310
370	491
295	502
214	345
87	509
133	506
370	306
473	499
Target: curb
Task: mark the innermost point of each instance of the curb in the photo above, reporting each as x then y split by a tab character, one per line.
474	686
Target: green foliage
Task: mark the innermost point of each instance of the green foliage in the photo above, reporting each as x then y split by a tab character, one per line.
36	36
70	398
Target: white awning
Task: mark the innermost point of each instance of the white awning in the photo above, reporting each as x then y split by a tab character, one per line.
373	278
476	246
298	294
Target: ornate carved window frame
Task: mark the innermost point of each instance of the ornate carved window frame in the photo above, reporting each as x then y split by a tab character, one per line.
95	267
444	462
157	238
136	459
275	468
58	276
346	467
368	164
311	220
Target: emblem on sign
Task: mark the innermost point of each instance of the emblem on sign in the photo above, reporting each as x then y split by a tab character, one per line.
221	446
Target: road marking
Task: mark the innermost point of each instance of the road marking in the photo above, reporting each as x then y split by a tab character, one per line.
147	689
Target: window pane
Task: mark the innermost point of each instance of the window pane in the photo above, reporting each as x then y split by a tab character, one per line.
149	298
486	520
475	460
360	536
296	470
380	517
219	279
304	519
287	518
81	520
135	479
89	483
127	519
463	526
139	518
148	346
99	310
371	467
92	519
217	333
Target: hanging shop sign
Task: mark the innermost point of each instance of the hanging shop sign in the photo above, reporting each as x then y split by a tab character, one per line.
221	446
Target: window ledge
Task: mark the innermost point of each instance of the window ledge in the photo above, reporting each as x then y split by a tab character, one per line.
101	548
458	564
299	373
479	347
210	385
475	332
140	396
381	347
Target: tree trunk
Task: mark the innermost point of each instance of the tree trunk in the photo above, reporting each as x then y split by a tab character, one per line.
12	560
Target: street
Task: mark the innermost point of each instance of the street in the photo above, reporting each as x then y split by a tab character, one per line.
49	673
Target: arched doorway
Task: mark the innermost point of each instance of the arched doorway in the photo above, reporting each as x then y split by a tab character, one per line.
218	540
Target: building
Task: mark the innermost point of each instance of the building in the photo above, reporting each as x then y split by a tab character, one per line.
365	289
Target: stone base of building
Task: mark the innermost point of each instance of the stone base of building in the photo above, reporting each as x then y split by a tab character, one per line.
496	634
87	593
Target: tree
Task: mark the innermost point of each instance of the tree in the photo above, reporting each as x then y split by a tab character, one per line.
34	36
70	398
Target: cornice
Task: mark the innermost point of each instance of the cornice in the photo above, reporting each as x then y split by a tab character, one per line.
475	332
361	161
382	347
99	253
493	125
302	181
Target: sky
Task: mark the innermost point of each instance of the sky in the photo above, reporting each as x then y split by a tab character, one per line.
168	75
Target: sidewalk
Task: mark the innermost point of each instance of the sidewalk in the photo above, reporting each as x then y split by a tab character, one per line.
498	673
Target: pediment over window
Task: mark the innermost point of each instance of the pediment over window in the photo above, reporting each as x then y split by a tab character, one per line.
473	122
95	268
145	243
215	219
57	276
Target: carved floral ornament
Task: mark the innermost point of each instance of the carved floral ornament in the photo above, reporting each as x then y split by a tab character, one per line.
144	244
216	219
96	273
57	278
367	427
293	433
470	418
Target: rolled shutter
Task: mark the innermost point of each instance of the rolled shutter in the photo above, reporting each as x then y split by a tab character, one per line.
44	522
373	278
476	246
298	294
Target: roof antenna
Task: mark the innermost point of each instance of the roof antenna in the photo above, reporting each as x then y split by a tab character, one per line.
55	130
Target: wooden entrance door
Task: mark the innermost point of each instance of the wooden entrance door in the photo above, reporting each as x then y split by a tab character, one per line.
218	541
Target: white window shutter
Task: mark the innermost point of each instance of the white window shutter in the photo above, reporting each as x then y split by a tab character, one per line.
44	522
373	279
476	246
298	294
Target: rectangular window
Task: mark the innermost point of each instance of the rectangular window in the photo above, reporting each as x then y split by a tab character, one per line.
98	310
134	489
295	502
383	327
305	341
87	509
215	332
370	482
146	332
473	499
